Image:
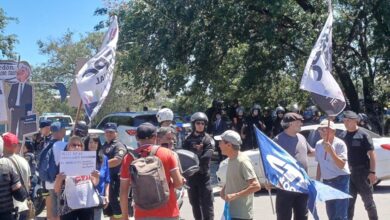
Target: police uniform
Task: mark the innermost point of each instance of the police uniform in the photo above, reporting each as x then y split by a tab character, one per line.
358	144
114	149
38	143
200	192
8	179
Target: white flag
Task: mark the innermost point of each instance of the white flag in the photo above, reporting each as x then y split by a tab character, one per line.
3	104
317	77
94	78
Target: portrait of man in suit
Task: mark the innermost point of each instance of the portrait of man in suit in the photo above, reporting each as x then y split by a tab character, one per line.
20	98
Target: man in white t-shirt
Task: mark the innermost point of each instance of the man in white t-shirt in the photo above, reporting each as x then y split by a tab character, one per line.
21	166
332	168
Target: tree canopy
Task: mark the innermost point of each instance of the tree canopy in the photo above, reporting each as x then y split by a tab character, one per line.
7	42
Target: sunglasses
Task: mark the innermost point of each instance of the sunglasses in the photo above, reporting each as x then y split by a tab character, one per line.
166	145
77	145
199	123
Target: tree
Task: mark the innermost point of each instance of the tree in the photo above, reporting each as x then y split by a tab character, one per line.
202	50
7	42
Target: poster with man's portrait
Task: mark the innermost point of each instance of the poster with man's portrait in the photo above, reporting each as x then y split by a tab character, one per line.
20	96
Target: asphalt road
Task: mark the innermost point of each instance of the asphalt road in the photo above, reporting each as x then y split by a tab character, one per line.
263	208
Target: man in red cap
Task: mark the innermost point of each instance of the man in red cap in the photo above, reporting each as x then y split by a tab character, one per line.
21	166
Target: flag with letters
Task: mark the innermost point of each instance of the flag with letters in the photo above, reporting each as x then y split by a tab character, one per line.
285	173
317	77
95	77
226	212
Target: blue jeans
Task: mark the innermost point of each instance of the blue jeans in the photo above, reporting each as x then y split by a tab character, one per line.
337	209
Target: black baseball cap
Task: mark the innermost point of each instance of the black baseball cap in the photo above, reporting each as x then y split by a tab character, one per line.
146	130
44	123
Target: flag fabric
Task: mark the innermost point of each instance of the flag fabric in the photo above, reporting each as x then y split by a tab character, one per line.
95	77
317	77
285	173
3	104
226	212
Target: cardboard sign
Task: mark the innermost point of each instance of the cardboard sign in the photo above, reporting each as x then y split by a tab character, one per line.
77	163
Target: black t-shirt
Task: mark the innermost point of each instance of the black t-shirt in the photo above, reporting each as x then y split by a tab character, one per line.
358	144
114	149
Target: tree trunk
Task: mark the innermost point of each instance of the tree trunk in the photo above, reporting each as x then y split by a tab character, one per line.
349	88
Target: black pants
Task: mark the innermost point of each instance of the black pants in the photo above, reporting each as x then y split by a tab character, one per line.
79	214
201	197
7	216
114	208
286	202
359	184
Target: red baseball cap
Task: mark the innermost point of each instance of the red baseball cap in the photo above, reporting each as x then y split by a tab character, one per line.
10	139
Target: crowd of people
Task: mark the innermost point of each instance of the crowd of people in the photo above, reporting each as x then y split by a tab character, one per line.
142	181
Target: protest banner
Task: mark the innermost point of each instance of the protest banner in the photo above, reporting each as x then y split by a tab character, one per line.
77	163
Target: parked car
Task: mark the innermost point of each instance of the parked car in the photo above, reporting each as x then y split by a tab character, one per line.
381	144
91	131
60	117
127	124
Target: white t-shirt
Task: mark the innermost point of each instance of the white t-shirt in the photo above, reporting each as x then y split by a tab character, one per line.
80	192
57	148
25	173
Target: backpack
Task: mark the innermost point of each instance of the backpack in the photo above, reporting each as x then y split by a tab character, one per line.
148	181
47	167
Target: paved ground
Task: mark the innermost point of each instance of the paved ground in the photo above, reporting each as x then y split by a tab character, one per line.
263	209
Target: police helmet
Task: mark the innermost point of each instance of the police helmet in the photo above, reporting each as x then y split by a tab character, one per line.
81	129
164	114
279	109
199	116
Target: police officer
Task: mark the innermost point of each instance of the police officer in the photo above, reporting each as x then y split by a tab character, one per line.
115	151
200	192
10	187
40	139
362	162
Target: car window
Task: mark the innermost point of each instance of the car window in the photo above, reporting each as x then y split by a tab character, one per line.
145	118
119	120
63	120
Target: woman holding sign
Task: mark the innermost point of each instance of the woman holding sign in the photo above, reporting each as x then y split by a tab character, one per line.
92	143
78	196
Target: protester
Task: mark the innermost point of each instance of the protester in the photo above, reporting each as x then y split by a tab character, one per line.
362	162
331	154
200	192
146	137
92	143
69	188
58	133
115	151
10	188
241	179
296	145
21	167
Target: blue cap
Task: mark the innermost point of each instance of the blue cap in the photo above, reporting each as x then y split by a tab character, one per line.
44	123
56	126
110	126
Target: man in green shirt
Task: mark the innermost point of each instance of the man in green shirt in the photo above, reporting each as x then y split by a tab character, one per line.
241	179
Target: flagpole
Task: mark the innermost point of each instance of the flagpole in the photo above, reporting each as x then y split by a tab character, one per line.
327	137
263	173
77	114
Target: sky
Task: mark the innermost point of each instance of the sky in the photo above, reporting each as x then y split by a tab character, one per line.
47	19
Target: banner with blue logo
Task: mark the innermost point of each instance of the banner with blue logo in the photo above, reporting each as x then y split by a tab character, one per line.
284	172
226	212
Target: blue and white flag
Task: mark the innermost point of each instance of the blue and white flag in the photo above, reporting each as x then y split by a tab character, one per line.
284	172
95	77
317	77
226	212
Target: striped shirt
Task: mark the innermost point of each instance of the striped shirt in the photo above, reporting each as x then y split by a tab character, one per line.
8	179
